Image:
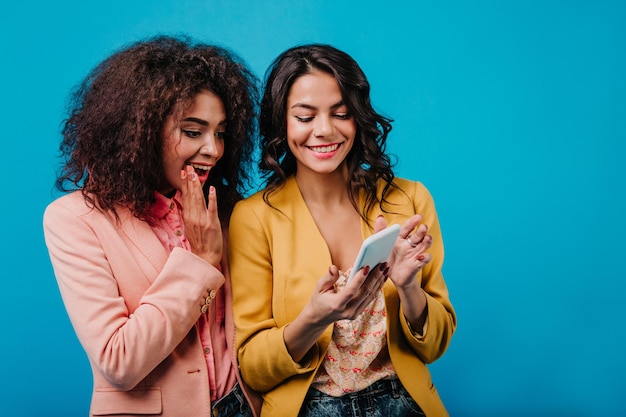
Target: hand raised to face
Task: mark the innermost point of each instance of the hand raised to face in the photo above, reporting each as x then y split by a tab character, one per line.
202	224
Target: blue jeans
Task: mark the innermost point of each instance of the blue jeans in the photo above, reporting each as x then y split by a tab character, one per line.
385	398
233	404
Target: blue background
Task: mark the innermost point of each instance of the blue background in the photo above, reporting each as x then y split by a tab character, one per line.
512	114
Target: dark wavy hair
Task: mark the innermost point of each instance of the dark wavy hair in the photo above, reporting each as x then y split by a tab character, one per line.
367	161
112	145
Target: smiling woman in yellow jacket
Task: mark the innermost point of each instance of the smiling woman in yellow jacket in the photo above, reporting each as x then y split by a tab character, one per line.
310	342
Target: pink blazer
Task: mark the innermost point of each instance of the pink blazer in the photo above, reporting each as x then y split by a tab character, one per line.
134	307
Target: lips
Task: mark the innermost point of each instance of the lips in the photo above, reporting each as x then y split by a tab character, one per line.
324	148
202	170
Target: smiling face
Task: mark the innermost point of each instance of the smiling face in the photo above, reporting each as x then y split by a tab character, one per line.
320	131
196	139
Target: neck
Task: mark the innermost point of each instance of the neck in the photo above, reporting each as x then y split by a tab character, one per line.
325	189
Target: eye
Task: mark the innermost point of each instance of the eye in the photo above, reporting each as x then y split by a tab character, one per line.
343	116
191	133
304	119
220	135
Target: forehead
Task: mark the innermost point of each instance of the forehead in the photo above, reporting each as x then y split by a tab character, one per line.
314	86
204	101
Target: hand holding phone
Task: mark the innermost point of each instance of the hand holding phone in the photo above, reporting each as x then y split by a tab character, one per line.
375	249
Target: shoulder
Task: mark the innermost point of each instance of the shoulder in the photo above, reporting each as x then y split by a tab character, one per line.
73	204
281	200
73	208
406	189
251	204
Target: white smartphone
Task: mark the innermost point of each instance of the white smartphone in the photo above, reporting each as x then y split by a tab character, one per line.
375	249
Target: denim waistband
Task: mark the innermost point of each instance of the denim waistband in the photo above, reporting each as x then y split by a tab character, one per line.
235	394
382	386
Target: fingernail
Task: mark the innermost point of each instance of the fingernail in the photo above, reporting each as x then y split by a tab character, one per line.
366	270
420	257
183	174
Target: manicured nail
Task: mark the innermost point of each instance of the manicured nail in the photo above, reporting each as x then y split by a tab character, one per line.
183	174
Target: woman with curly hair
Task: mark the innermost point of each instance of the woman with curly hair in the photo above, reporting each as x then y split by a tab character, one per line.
330	346
156	152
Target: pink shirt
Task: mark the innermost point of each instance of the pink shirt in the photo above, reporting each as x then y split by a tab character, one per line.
169	228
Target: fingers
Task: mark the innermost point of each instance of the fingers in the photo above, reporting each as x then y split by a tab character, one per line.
368	291
409	226
420	240
417	239
191	189
329	280
202	225
212	205
379	224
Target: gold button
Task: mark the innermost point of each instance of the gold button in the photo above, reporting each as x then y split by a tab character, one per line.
208	301
207	350
204	308
171	206
212	294
179	232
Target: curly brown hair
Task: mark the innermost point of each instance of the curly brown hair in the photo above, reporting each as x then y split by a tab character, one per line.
112	144
367	161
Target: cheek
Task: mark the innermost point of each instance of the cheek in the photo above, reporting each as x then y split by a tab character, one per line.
349	130
297	132
170	148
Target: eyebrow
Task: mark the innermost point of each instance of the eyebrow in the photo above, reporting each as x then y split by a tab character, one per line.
201	121
310	107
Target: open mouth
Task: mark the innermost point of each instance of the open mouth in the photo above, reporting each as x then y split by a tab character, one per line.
324	148
202	171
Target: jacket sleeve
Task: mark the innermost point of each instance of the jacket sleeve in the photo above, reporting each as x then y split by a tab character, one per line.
441	319
124	344
263	357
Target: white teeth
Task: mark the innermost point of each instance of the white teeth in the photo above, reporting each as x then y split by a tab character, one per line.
202	167
324	149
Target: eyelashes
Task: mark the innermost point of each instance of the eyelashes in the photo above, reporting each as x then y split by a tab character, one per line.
340	116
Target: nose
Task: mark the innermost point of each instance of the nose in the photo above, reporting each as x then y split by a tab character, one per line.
209	147
323	126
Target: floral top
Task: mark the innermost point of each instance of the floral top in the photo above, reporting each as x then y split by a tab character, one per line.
357	355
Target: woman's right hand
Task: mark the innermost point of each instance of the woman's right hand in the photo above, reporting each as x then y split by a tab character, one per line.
202	223
328	303
331	303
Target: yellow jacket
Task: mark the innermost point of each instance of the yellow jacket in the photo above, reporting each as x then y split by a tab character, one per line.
276	257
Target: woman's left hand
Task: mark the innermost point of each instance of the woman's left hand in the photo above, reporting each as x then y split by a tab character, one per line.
409	254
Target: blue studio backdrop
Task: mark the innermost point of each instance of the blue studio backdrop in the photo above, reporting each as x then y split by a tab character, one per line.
511	113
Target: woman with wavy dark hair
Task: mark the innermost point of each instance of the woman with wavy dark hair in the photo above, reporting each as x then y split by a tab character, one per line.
332	346
156	152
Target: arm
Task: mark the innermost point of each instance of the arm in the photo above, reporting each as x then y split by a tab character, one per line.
127	324
426	313
263	356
